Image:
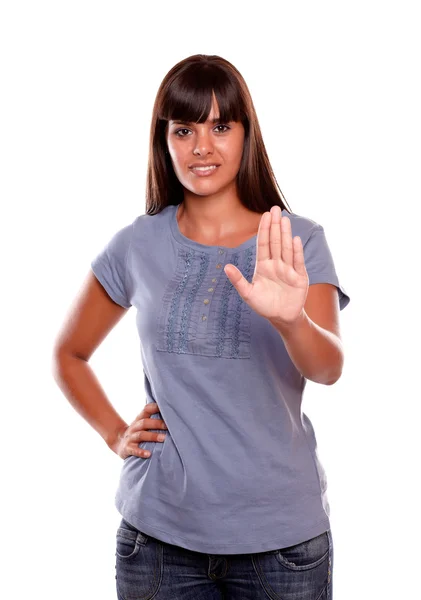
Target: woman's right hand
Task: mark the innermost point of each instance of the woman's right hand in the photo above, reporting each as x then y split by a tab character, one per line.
136	432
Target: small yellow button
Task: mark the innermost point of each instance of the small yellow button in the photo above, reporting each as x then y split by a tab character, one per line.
210	289
221	251
204	317
219	265
214	279
206	301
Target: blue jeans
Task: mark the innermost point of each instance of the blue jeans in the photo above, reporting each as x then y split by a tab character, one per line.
149	569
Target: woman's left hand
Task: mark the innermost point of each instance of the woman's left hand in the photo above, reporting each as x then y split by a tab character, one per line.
280	282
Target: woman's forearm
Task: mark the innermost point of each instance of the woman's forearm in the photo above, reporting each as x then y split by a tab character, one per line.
316	352
82	389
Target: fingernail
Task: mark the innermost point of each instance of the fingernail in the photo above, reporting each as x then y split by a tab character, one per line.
161	437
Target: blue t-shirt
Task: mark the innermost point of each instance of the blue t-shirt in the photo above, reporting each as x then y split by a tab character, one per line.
239	471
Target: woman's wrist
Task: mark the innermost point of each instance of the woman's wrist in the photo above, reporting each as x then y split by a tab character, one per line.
113	440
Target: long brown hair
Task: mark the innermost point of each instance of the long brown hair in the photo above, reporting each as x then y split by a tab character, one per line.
186	94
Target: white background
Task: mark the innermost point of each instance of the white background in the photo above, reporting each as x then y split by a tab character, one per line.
336	89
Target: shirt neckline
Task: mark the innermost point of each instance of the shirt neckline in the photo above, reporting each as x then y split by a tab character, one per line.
203	247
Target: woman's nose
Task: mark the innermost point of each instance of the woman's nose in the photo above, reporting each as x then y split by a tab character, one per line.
204	143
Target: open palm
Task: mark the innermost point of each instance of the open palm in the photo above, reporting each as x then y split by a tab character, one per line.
280	282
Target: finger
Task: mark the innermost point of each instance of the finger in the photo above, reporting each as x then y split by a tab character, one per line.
146	423
136	451
240	283
287	247
146	436
153	424
151	407
275	239
262	248
299	263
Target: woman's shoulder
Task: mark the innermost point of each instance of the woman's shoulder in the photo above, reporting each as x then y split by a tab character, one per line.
301	225
151	227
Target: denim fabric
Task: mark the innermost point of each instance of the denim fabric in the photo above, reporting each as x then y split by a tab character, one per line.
148	568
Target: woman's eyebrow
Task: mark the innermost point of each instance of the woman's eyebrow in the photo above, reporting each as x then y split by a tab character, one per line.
215	120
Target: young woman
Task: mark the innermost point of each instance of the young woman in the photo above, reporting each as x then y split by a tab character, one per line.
238	305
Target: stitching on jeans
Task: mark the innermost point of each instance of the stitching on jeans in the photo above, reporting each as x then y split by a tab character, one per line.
329	580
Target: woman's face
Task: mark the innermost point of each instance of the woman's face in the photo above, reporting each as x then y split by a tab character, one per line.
210	143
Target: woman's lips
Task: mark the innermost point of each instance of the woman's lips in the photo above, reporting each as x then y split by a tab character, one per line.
203	172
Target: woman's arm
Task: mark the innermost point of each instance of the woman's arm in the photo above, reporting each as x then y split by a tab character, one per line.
92	317
313	341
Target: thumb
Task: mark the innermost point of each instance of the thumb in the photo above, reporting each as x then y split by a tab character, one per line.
238	280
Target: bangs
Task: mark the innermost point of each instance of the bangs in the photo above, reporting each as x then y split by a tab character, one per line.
189	96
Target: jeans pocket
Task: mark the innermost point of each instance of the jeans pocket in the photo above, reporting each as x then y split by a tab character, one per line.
306	555
139	563
300	571
129	540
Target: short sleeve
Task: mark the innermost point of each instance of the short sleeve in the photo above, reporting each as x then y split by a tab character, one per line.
110	266
319	264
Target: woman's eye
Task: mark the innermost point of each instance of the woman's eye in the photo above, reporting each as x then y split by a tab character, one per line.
179	134
226	127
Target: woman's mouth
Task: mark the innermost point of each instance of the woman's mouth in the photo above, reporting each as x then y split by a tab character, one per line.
204	171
